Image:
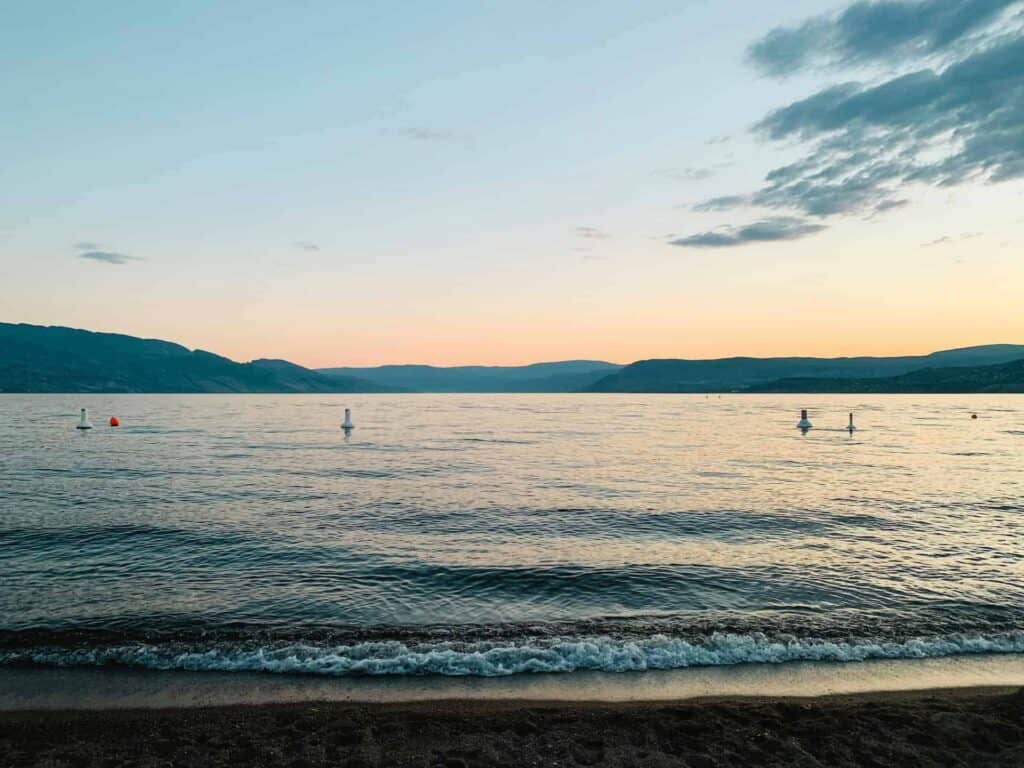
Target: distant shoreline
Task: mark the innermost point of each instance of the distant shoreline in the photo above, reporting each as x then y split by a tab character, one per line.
41	359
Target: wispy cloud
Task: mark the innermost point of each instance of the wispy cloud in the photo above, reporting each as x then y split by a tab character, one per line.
587	253
426	134
95	252
957	118
723	203
684	174
307	245
592	233
766	230
890	205
950	239
691	173
108	257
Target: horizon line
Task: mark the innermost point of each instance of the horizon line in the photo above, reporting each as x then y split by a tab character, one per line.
526	364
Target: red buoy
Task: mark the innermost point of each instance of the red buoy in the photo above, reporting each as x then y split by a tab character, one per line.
114	422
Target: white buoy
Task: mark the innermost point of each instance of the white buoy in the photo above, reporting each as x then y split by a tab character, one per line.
850	427
83	422
804	423
347	423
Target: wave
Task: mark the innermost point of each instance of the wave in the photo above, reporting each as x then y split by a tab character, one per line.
504	658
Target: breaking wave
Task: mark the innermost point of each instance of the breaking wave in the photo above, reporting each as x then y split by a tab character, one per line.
490	658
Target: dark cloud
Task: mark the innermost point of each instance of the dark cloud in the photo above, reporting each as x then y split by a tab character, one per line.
307	245
767	230
108	257
886	31
592	233
866	144
963	123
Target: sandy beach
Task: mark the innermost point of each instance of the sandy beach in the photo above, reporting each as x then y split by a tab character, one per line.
963	727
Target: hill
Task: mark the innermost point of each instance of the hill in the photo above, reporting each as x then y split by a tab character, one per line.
1006	377
36	358
735	374
566	376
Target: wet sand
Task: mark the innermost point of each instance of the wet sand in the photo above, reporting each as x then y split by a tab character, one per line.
961	727
38	688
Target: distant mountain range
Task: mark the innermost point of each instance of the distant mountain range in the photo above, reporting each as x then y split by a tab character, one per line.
568	376
737	374
1006	377
37	358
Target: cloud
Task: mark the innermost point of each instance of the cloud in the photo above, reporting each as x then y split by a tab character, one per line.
592	233
307	245
962	123
86	246
692	173
865	144
949	239
889	205
108	257
887	31
766	230
723	203
684	174
426	134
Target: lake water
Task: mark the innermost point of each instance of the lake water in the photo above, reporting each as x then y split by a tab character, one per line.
501	534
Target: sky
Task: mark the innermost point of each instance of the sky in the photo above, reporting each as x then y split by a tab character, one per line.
349	183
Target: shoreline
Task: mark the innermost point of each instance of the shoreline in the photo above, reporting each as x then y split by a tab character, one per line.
105	688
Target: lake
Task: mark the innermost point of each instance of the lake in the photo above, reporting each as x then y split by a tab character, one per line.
501	534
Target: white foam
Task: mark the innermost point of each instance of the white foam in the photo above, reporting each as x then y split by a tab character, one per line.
499	659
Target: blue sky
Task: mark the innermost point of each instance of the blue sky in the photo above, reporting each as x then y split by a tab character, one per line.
352	183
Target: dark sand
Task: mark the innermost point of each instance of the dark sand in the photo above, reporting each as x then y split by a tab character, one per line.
975	727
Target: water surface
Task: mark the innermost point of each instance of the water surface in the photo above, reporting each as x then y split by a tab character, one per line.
499	534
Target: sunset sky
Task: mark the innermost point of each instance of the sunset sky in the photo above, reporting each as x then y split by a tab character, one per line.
344	183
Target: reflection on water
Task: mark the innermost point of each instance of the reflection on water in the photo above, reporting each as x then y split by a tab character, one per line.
697	514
